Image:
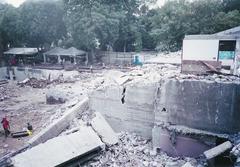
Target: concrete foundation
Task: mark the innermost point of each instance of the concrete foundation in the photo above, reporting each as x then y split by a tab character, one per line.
197	104
202	105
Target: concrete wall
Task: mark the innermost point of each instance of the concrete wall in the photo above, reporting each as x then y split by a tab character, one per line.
135	115
22	73
202	105
196	104
3	72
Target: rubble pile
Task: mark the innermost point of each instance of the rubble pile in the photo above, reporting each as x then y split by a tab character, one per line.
3	93
153	73
54	96
133	150
42	83
6	92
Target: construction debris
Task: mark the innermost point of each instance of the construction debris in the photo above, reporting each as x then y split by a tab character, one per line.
133	150
62	150
54	96
35	83
104	130
188	164
3	82
209	154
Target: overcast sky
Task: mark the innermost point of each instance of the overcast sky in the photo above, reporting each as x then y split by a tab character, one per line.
16	3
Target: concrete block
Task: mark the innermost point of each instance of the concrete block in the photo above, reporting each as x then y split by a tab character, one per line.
59	150
104	130
60	124
209	154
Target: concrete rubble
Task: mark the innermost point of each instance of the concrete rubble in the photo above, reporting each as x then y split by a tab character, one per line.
54	96
127	111
103	129
209	154
133	150
60	150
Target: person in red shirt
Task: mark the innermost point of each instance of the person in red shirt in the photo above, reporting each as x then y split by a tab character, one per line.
6	126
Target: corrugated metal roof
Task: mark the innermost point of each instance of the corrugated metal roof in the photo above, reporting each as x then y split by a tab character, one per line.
232	31
59	150
211	37
22	51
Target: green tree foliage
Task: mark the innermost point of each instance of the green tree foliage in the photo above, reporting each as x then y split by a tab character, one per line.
124	25
10	26
111	23
92	22
230	5
42	22
178	18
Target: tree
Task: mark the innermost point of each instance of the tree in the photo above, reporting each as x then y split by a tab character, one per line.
111	23
10	31
90	22
178	18
230	5
42	23
224	21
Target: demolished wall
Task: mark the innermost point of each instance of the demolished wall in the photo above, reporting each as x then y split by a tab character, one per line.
21	73
210	106
135	114
205	105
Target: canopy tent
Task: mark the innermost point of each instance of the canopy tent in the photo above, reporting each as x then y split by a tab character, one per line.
21	51
20	56
55	52
73	52
62	54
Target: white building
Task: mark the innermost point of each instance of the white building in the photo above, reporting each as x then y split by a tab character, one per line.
217	50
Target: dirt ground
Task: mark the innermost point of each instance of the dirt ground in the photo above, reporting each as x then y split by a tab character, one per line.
23	104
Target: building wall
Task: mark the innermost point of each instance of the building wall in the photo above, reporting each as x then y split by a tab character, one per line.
200	50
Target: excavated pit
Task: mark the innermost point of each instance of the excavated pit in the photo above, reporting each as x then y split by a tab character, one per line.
172	109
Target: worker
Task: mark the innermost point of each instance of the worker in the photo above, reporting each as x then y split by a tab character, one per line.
29	126
29	129
6	126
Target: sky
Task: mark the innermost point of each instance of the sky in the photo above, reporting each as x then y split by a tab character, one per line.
17	3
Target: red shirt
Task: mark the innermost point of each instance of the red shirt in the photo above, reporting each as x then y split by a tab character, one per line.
5	123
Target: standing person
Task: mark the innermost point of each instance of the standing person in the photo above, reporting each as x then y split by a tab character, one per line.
6	126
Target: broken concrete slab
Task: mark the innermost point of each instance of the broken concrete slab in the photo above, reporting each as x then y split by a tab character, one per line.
55	97
209	154
104	130
188	164
60	124
60	150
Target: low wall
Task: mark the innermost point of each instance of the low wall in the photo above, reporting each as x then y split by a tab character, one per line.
203	105
22	73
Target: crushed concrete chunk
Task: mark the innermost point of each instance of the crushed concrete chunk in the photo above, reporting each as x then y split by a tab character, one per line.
55	97
60	149
209	154
104	130
188	164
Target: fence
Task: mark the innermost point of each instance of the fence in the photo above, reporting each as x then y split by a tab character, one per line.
123	58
